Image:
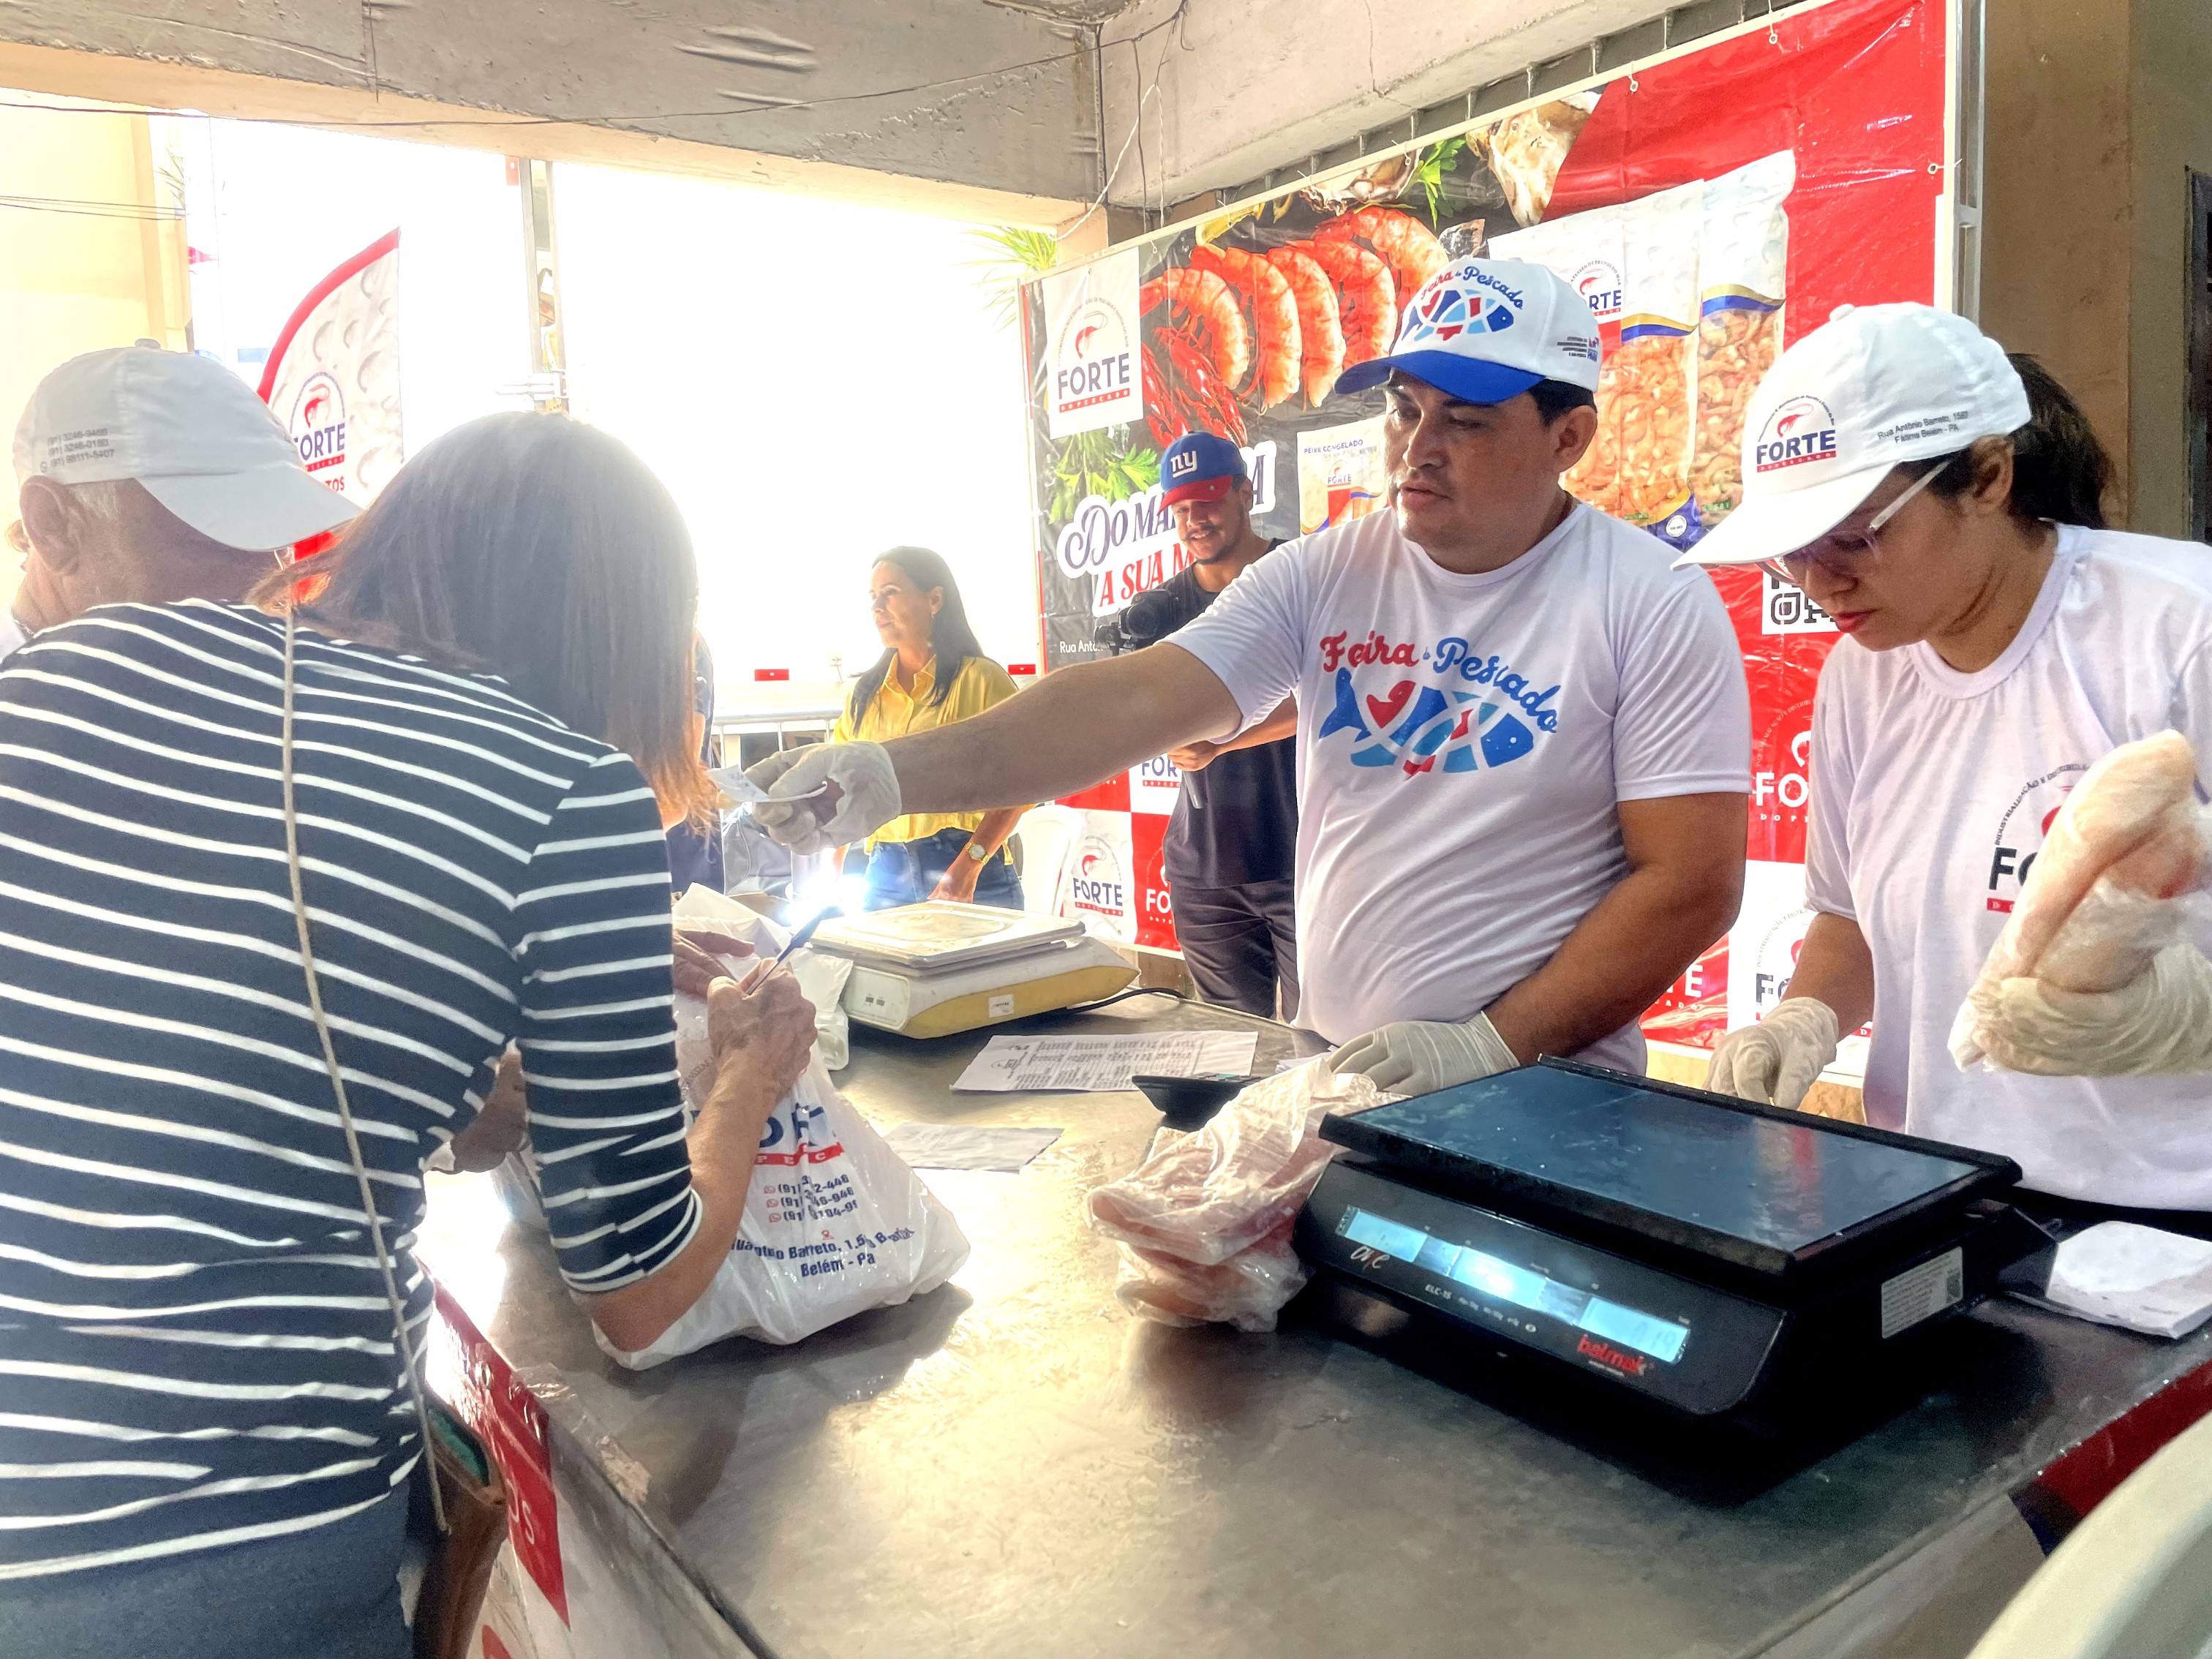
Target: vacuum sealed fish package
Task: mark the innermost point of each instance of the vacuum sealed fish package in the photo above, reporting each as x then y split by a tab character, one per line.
1204	1223
2113	898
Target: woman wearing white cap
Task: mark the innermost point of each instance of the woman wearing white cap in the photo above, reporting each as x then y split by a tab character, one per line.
1940	501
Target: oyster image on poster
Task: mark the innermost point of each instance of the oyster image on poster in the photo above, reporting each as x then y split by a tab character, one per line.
332	378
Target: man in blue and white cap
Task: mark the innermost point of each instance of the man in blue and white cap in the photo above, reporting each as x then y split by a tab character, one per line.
1523	741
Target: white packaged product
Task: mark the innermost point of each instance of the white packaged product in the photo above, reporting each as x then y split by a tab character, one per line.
1743	263
821	975
2106	896
1586	249
836	1224
1654	370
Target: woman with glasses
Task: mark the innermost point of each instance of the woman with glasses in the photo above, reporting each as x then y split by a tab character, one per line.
1940	502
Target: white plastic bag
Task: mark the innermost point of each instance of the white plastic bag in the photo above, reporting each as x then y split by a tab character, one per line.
1204	1221
821	975
2109	890
836	1224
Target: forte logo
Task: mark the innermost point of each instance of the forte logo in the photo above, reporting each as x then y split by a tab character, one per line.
1800	430
1599	284
1098	364
1096	883
318	428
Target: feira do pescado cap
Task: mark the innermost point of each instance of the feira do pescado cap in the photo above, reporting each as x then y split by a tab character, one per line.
189	430
1484	330
1874	388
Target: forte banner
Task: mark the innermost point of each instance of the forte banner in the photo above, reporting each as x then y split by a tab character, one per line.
1711	206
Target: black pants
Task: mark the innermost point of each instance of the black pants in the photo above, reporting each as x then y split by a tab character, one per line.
1240	944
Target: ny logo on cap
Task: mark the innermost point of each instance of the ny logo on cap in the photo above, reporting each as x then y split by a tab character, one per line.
1185	462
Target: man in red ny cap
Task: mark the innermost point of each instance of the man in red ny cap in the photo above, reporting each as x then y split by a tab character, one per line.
1233	842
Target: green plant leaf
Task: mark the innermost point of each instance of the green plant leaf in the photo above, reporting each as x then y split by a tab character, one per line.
1011	253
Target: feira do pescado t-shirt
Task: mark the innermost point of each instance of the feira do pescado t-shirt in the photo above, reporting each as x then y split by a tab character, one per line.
1463	743
1931	792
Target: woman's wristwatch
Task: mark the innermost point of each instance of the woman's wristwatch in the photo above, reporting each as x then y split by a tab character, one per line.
974	850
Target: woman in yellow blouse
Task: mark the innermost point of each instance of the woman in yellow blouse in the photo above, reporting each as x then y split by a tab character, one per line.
932	673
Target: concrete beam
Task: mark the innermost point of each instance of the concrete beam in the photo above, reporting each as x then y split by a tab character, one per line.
943	106
1241	87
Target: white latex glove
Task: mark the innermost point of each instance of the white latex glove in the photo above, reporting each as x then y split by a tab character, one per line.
1775	1061
2158	1024
1419	1056
863	794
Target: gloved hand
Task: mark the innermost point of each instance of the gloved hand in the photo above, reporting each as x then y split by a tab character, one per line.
1419	1056
2158	1024
1775	1061
863	794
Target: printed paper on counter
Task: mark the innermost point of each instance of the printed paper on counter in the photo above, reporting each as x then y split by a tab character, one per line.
1100	1065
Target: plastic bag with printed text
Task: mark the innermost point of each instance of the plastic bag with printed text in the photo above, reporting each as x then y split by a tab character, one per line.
1204	1221
836	1224
2114	886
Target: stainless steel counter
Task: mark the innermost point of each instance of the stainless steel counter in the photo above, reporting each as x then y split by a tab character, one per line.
1013	1466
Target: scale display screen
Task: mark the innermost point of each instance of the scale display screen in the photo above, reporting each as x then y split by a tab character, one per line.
1777	1185
1501	1280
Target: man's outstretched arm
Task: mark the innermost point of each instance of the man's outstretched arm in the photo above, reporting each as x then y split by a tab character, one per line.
1072	728
1066	733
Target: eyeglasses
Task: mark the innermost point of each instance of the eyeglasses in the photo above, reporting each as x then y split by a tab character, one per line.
1849	556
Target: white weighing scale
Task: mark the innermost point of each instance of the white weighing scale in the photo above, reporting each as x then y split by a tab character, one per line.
933	969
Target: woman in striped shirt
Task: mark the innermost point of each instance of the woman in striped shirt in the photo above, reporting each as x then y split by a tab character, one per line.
205	1425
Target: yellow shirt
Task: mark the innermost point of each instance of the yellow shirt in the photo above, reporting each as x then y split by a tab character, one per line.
896	713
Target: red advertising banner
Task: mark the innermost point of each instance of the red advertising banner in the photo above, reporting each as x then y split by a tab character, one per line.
1711	205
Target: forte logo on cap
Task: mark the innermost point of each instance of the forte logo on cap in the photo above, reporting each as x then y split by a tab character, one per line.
1800	430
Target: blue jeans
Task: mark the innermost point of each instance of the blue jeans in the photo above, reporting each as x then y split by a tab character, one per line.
908	871
332	1593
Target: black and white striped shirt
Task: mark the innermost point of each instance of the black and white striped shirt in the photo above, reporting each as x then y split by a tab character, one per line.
194	1346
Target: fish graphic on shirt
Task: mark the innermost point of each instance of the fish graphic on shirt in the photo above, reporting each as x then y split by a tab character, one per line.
1424	729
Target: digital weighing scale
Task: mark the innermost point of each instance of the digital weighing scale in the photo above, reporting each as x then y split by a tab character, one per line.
1686	1246
931	970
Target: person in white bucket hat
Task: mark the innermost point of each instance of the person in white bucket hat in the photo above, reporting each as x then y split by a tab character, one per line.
1941	502
1523	742
152	476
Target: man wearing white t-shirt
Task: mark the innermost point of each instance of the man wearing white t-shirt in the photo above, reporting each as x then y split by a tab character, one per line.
151	475
1523	742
